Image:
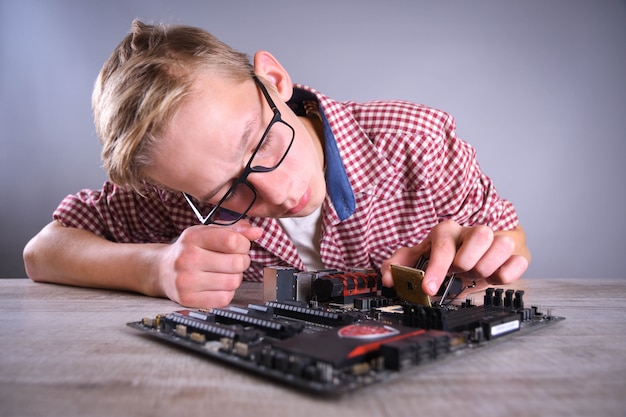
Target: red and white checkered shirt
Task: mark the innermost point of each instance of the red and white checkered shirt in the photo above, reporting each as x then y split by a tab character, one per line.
406	167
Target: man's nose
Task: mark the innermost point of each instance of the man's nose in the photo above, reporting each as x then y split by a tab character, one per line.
271	187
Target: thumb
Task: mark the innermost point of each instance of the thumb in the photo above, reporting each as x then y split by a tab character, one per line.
406	256
250	232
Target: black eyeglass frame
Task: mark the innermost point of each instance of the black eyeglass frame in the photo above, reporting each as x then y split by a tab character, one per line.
243	178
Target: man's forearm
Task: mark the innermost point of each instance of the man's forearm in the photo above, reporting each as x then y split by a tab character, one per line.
73	256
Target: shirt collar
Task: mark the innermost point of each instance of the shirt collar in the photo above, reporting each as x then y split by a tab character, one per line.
360	167
337	182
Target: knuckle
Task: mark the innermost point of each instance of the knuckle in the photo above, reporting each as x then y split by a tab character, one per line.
510	272
507	279
464	264
188	235
246	261
402	255
443	247
234	243
182	282
233	282
239	263
186	300
386	264
506	243
481	271
183	259
447	223
230	242
515	269
482	234
446	226
223	298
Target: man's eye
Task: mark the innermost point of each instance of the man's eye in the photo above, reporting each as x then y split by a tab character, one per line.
232	195
266	145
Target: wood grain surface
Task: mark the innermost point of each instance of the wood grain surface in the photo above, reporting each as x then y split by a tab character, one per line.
67	352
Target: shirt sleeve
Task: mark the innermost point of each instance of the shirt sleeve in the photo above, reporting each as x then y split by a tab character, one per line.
121	215
461	191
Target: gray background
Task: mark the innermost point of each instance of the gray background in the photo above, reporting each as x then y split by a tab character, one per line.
536	86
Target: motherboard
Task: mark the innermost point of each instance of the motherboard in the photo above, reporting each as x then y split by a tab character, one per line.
330	332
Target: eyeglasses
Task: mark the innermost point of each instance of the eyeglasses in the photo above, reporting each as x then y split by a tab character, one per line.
267	156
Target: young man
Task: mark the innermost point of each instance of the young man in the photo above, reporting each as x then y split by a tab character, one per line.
284	175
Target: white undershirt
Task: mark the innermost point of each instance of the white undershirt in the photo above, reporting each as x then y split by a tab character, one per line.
305	233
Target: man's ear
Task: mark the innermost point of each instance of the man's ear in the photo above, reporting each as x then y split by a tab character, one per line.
267	67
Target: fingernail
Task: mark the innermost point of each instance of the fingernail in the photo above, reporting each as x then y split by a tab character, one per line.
432	287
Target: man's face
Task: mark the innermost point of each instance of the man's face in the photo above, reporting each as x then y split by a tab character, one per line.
212	137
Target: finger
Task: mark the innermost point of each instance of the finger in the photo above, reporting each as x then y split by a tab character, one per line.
510	271
216	239
226	263
250	232
198	281
403	256
443	241
187	285
208	299
494	257
186	256
218	282
474	243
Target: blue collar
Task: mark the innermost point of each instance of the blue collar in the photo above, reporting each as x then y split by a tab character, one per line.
337	184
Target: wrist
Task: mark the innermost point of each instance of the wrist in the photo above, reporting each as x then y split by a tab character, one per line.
149	271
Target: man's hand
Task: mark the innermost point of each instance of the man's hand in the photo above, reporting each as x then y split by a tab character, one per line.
205	265
474	253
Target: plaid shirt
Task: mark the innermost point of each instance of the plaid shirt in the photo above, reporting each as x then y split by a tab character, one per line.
406	167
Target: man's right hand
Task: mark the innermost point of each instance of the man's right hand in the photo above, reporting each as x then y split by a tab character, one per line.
205	265
202	268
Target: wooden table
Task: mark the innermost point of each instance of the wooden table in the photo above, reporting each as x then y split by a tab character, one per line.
67	352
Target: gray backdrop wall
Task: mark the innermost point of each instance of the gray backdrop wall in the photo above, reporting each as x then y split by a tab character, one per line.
538	87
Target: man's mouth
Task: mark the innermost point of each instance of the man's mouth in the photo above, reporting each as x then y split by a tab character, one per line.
302	203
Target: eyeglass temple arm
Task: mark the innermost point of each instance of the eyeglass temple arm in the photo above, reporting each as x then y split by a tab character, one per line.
199	215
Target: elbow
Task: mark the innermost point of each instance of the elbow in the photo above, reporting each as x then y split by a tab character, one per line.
39	253
29	255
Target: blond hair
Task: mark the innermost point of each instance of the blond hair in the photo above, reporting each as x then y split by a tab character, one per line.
142	85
